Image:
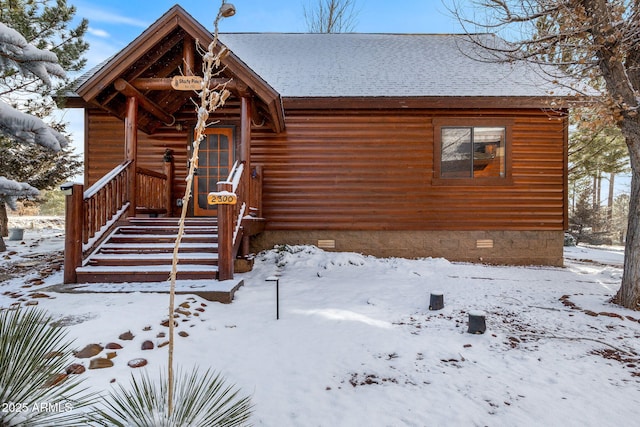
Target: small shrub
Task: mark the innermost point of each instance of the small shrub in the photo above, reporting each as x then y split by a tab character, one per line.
33	358
200	400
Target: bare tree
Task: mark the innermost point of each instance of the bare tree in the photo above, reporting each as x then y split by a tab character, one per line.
331	16
592	41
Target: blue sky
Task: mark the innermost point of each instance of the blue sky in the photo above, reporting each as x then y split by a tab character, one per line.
115	23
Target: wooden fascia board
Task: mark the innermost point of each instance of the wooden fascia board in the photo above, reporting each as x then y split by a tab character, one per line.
74	101
338	103
176	17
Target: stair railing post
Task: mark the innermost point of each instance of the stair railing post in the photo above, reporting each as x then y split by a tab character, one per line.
225	236
74	226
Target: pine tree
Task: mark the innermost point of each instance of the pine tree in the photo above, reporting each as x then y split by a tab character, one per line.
37	49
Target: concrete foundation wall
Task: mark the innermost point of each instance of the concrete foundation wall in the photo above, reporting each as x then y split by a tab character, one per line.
492	247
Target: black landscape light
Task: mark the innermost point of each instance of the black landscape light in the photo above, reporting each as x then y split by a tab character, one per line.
277	280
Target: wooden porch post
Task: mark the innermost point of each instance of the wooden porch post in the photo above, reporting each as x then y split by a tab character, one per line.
74	224
168	171
245	156
225	236
131	148
245	132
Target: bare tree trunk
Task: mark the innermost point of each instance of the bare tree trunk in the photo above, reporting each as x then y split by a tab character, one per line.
4	220
629	293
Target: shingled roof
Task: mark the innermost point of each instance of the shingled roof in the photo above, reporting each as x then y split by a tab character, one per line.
383	65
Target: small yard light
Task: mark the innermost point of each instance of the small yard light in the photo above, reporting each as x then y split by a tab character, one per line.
477	322
436	302
277	280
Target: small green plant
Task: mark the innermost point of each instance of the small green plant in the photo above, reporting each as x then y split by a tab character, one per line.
200	400
34	391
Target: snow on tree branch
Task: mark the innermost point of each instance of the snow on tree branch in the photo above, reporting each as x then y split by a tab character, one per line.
30	129
10	191
15	51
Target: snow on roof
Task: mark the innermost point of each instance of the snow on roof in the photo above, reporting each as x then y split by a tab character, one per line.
382	65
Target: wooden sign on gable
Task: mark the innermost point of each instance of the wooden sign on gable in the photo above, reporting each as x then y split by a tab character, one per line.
186	82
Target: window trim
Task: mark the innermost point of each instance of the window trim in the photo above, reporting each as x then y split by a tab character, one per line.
440	123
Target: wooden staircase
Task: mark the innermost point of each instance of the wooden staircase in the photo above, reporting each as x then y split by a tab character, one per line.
107	249
141	250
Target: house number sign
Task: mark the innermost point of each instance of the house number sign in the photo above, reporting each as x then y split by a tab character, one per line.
222	198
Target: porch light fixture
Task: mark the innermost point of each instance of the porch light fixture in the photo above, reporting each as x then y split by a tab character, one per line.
67	188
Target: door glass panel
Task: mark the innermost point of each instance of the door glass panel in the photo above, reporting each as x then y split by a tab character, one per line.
214	158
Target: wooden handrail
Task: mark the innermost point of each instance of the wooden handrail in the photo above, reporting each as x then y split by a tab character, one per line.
92	214
103	203
102	182
149	172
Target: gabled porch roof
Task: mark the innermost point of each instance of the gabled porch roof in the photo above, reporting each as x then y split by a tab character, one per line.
145	67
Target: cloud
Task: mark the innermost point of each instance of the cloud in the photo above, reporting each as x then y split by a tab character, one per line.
98	32
95	14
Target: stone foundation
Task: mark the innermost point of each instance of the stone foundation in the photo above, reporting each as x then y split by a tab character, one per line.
491	247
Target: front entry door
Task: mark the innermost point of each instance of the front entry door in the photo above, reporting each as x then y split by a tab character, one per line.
215	159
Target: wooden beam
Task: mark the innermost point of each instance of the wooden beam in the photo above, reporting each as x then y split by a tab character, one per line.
189	55
131	148
245	132
154	109
245	150
165	84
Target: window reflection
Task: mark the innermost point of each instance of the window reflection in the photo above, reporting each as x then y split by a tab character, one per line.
472	152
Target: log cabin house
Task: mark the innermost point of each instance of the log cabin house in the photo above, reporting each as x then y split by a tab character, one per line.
385	144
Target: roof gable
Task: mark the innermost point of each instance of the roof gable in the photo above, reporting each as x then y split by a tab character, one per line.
161	52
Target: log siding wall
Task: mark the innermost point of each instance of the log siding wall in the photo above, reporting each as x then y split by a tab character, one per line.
365	178
104	149
374	171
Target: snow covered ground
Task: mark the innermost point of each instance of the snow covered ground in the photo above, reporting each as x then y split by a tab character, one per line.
356	343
